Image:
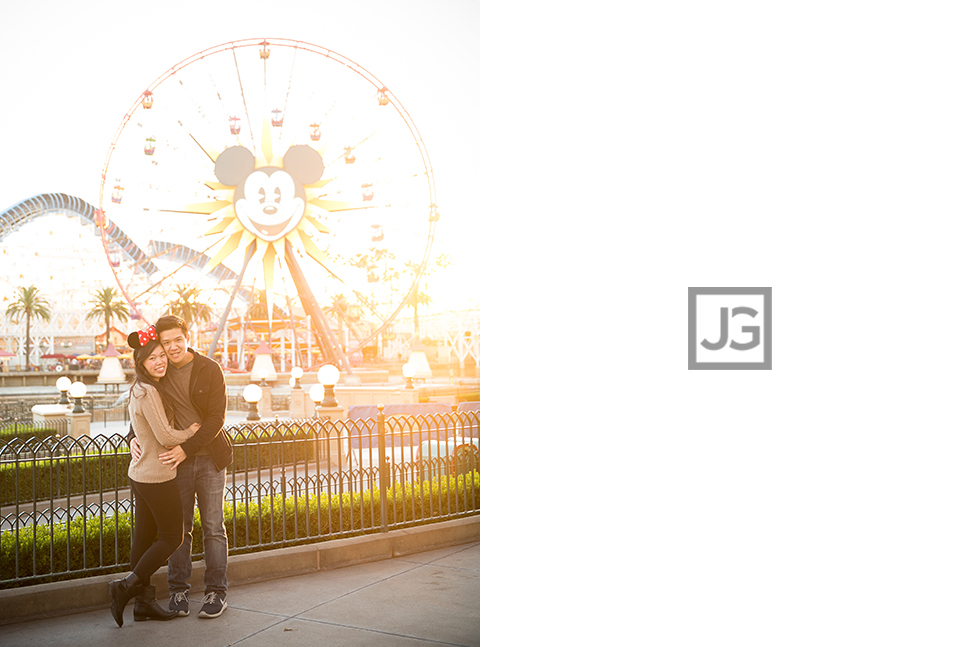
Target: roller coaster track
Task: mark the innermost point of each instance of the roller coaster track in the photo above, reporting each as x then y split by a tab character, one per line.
18	215
15	217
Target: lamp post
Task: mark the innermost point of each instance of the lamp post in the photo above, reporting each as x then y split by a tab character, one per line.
63	384
263	374
328	376
297	397
251	394
408	370
316	394
334	447
77	391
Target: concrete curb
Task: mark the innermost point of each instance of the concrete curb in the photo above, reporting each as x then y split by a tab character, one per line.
87	594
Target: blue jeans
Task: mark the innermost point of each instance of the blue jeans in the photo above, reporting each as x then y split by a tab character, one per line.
197	478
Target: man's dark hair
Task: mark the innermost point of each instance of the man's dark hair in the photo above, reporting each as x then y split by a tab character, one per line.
168	322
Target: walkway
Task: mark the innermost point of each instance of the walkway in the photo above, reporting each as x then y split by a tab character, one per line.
429	598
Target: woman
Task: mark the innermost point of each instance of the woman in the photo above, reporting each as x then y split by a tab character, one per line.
158	522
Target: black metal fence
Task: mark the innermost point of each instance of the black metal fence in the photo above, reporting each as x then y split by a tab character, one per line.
66	505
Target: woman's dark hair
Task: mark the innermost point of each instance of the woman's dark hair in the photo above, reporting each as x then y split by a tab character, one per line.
142	377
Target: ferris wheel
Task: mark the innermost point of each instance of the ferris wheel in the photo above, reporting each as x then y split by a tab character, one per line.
272	173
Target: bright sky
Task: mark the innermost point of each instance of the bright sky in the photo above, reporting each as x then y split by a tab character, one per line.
79	68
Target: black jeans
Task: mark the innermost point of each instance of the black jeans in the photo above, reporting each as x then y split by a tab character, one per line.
158	530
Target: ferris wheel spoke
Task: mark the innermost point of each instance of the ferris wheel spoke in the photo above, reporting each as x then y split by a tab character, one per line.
168	116
203	208
330	206
211	154
345	119
168	252
350	149
242	94
286	99
316	254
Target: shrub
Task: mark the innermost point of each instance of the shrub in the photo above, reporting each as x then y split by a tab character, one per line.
62	476
25	431
97	547
260	448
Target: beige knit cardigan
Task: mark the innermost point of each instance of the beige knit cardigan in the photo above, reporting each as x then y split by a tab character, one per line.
155	435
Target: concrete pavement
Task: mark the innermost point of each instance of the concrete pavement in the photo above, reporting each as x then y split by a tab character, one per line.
420	598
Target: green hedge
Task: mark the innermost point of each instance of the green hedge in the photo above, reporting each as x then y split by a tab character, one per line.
288	445
299	519
25	431
36	480
97	549
46	478
307	517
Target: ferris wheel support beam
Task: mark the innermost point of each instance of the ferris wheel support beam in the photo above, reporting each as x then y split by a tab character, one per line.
327	341
250	251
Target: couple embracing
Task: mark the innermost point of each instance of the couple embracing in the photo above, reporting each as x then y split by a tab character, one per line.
179	454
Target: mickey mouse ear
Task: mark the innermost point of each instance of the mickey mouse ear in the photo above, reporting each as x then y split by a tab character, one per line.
234	164
133	340
303	163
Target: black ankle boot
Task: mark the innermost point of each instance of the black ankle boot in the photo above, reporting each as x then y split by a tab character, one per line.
146	608
121	592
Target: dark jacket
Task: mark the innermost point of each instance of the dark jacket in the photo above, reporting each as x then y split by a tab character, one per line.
207	390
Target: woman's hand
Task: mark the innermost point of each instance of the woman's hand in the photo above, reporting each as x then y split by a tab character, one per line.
194	427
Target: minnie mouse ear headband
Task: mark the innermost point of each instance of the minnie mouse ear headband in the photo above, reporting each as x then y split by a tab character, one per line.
141	337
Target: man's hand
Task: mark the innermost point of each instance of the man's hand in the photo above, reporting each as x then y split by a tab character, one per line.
173	457
135	450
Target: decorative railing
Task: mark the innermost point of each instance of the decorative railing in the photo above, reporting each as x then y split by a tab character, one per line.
66	505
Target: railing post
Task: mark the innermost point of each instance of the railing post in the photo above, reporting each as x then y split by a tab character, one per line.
384	471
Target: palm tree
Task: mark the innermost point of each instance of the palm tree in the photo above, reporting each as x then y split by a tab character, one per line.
107	303
344	313
29	303
415	299
188	306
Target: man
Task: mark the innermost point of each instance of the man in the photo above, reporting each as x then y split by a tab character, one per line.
198	389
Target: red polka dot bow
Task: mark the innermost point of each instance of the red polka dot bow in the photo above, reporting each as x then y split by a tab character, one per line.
147	335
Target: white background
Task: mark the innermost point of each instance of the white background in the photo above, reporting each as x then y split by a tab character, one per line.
820	149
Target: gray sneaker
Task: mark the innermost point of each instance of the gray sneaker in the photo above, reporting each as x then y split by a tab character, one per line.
178	602
213	604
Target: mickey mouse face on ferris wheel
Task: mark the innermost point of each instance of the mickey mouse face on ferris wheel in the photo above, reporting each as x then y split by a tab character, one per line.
269	201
